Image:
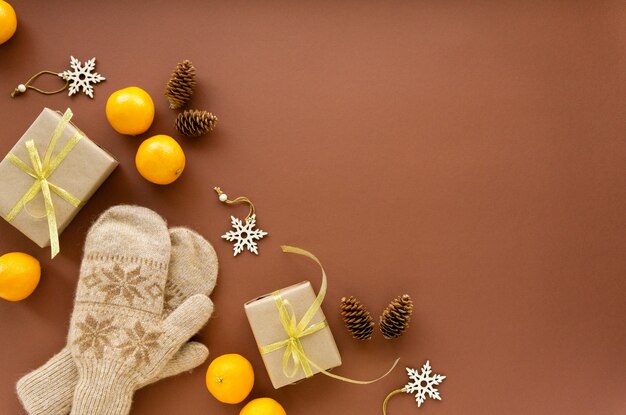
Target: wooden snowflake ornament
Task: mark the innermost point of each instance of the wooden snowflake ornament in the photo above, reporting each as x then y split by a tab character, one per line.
244	233
80	76
76	78
421	383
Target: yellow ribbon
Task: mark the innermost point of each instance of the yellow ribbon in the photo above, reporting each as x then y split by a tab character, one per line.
41	171
294	356
391	394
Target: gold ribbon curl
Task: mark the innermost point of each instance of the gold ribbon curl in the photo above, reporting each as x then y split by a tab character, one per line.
41	171
391	394
294	356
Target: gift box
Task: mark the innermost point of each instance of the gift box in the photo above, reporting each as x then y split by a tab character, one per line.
290	354
49	175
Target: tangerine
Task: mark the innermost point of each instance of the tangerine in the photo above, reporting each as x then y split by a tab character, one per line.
8	21
19	275
263	406
130	111
230	378
160	159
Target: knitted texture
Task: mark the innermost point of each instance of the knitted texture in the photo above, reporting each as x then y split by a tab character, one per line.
194	123
118	338
357	319
395	319
193	269
181	85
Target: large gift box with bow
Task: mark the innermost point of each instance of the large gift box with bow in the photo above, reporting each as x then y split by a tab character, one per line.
49	175
291	331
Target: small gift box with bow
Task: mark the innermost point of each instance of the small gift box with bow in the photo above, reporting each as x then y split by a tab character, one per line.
49	175
291	332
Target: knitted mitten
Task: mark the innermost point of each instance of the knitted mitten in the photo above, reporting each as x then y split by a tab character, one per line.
192	270
193	267
118	338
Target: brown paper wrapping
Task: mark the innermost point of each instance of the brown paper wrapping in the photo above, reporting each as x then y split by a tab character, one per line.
81	173
320	347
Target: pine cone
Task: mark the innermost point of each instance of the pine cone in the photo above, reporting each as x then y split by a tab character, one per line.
180	86
395	319
195	122
358	320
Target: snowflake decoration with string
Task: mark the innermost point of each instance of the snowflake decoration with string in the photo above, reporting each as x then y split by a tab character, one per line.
81	76
423	384
244	235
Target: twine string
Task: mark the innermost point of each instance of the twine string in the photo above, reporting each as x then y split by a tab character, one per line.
240	199
28	85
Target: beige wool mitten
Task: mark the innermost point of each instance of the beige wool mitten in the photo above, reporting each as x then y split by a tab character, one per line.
193	269
118	337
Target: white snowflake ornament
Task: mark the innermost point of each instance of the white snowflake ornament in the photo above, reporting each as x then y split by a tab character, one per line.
80	76
244	235
423	383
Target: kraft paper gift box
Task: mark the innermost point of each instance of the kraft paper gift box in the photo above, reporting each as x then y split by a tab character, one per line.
267	328
80	173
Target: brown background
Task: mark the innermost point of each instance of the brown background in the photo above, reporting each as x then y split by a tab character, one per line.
471	154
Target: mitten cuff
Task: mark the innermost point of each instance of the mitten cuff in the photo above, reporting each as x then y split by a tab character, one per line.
104	388
48	390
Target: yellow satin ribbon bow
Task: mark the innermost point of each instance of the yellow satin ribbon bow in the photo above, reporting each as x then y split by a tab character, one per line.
294	355
41	171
